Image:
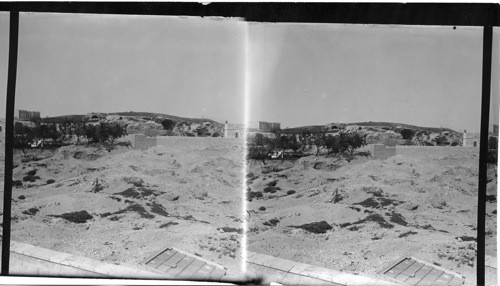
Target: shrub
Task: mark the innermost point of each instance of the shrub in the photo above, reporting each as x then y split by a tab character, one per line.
103	132
50	181
76	217
493	143
492	157
31	211
407	134
29	178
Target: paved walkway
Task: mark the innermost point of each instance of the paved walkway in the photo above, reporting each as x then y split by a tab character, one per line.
287	272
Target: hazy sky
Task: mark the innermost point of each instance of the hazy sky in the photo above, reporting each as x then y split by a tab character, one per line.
74	64
299	74
305	74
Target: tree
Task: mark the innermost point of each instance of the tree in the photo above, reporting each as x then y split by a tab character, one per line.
318	140
23	135
103	132
332	144
349	141
260	148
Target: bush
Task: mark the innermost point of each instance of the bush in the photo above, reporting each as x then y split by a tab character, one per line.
493	143
76	217
492	157
103	132
29	178
50	181
407	134
168	124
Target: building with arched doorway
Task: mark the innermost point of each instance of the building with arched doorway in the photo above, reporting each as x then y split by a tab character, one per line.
470	139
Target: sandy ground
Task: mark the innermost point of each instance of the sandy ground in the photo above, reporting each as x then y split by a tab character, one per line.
140	201
417	203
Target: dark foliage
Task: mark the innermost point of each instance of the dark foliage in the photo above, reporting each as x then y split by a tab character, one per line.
76	217
315	227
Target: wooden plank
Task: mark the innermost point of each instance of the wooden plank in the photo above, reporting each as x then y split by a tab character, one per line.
191	269
393	272
444	279
436	272
172	261
204	271
402	277
162	257
429	278
419	275
217	274
399	268
155	254
391	265
180	266
410	271
456	281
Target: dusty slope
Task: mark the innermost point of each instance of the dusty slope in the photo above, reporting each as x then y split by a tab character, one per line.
414	204
180	196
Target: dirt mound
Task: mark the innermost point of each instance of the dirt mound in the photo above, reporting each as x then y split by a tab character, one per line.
319	163
79	152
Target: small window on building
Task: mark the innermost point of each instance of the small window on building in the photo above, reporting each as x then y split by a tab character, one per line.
475	143
236	135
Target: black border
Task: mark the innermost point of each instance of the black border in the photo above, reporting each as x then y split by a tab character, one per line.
463	14
486	15
9	142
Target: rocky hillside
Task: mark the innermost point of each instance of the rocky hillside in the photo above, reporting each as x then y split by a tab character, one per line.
396	133
152	124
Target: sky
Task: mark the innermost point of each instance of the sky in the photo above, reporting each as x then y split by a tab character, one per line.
297	74
75	64
307	74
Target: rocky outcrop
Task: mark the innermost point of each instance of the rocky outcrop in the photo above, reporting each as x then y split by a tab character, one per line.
401	134
155	125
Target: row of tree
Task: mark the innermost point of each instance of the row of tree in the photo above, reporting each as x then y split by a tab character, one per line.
261	147
102	132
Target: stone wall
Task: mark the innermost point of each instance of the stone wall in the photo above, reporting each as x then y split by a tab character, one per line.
232	130
28	115
471	139
140	141
382	152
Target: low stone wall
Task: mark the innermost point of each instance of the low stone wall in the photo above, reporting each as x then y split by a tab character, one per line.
142	142
382	152
431	152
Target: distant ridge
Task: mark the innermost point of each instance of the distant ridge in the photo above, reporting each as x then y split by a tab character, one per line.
126	113
403	125
392	125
